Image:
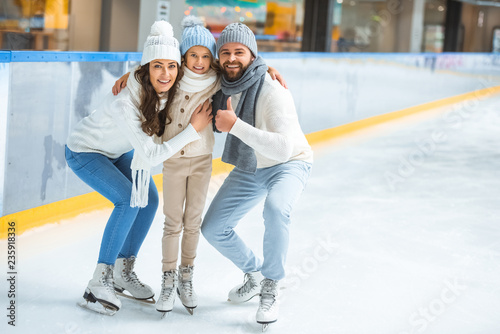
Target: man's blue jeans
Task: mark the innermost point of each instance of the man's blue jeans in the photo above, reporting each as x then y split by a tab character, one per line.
127	227
281	185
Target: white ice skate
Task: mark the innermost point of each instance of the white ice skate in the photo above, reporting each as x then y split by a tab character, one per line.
248	289
166	300
126	279
100	289
268	305
185	289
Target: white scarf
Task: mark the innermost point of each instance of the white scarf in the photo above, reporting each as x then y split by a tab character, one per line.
141	170
193	83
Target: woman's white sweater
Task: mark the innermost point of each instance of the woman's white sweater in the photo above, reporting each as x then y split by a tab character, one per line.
114	128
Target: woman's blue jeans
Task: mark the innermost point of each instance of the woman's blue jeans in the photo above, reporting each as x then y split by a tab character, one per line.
127	227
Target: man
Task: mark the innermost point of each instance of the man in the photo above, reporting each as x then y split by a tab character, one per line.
272	160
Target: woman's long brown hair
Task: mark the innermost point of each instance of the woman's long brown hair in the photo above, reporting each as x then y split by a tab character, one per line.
154	121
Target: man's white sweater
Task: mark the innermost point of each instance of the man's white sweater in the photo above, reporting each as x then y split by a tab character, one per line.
277	136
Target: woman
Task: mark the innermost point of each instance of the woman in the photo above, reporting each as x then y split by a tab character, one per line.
113	150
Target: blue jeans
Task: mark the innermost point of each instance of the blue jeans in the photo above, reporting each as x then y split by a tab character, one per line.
281	185
127	227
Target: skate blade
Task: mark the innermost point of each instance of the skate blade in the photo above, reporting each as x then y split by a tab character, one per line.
189	309
164	313
150	300
97	308
265	325
98	305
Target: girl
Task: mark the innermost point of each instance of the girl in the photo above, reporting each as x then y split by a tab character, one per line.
186	175
113	149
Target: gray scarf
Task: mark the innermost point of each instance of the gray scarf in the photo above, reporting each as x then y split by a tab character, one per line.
236	152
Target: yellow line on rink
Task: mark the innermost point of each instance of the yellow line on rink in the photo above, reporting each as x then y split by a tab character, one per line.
347	129
71	207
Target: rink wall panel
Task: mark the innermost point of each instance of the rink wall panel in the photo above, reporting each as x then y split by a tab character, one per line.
44	94
4	107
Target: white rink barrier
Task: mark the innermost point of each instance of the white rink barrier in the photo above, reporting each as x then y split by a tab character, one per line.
44	94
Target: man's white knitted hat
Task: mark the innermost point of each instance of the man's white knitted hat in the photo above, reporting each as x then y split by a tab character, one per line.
161	44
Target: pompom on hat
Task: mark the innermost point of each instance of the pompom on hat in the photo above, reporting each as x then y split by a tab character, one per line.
161	44
238	33
194	34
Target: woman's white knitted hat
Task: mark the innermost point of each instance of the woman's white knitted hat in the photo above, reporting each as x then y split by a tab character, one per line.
161	44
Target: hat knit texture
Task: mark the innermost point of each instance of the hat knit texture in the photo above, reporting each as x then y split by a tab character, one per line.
194	34
238	33
161	44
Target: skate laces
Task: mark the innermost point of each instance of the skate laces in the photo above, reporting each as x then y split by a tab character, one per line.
129	274
107	279
187	283
250	283
268	294
168	284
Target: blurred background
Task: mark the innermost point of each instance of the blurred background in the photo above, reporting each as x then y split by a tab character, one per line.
280	25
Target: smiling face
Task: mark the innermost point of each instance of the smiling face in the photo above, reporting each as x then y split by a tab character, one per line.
198	59
162	74
234	59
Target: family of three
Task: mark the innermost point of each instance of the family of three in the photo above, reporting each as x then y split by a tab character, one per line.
166	112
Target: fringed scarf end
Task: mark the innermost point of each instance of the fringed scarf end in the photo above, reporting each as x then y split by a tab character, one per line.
140	188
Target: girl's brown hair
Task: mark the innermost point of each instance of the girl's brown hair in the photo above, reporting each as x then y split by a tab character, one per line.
154	121
215	65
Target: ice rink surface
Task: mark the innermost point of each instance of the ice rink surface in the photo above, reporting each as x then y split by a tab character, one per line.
397	232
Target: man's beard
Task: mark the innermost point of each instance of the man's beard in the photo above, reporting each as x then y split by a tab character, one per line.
233	76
